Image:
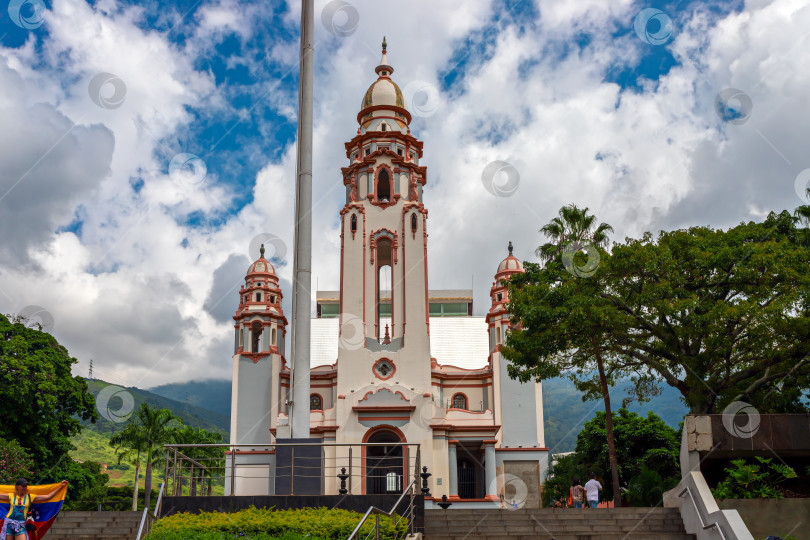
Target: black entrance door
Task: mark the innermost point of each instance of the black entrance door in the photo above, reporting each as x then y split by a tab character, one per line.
384	464
467	481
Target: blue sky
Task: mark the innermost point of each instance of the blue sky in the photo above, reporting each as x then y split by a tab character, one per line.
101	231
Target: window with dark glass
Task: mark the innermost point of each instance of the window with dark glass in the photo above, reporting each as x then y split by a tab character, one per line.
383	186
413	222
459	401
354	223
315	403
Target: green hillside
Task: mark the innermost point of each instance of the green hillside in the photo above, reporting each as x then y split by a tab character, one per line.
92	444
211	394
191	414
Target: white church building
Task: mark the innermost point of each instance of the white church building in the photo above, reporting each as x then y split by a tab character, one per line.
391	360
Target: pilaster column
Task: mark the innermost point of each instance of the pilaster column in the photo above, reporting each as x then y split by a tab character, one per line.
489	466
453	466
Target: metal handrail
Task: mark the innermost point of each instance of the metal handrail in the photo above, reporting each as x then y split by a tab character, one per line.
374	510
704	525
148	514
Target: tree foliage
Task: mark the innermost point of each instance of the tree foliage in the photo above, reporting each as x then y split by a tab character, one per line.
719	315
647	451
14	462
148	430
641	442
760	480
42	402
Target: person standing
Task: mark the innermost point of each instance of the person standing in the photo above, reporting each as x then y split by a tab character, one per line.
592	489
577	493
19	502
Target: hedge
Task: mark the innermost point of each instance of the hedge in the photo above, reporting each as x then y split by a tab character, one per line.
265	524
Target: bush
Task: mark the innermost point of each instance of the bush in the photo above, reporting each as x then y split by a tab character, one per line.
647	488
316	523
14	462
753	481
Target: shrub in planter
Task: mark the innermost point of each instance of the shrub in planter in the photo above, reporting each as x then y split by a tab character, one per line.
753	481
264	524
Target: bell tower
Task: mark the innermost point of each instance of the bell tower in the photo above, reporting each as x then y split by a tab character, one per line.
383	279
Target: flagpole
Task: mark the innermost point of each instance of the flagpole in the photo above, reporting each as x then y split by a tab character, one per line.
302	261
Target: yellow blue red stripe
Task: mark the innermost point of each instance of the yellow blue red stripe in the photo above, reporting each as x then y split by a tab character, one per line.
42	511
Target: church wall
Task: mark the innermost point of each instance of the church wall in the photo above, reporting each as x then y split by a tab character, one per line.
254	401
518	411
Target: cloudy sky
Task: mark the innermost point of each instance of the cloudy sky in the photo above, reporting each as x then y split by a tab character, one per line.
146	148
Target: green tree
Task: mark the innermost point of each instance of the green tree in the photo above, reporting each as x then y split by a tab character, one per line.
87	488
641	442
573	234
211	457
128	446
42	402
14	462
149	429
719	315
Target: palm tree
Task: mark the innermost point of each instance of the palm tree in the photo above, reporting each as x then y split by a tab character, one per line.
802	215
128	447
211	457
575	226
148	431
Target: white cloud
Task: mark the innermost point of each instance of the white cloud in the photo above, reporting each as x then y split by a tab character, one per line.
137	291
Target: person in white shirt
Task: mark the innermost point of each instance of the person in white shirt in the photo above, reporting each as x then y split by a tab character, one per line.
592	489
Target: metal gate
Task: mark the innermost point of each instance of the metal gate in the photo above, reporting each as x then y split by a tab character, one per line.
466	479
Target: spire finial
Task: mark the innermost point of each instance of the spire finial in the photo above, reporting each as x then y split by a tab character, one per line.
261	252
385	45
510	248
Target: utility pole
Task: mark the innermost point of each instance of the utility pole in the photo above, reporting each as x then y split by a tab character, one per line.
302	262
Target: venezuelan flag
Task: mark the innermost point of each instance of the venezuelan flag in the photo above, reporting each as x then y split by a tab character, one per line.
43	511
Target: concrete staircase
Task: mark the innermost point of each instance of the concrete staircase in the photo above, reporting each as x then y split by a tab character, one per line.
95	525
556	523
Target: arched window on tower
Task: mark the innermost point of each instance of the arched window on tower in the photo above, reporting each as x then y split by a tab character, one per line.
459	401
255	336
354	223
315	403
273	337
385	257
383	186
498	336
414	223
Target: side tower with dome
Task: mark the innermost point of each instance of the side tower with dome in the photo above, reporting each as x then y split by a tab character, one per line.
392	360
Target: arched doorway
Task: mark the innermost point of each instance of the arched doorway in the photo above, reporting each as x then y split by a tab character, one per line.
384	464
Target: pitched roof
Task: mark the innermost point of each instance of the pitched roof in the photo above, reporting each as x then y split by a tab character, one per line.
457	341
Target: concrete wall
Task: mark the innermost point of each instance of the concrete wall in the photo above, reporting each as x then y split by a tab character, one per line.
518	411
772	517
